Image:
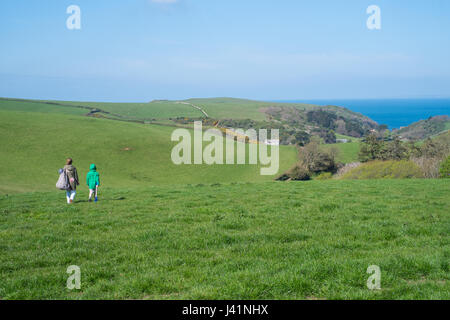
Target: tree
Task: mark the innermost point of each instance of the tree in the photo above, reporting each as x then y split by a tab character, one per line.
322	118
370	149
330	137
302	138
394	150
316	160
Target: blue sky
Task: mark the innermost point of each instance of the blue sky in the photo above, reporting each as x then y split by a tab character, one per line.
139	50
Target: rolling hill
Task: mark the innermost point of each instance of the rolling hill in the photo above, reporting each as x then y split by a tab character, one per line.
34	146
162	231
425	128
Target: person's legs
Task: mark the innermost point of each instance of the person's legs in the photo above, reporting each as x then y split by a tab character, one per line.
72	195
91	191
96	191
68	196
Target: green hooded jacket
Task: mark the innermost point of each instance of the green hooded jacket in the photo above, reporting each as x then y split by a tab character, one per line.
93	178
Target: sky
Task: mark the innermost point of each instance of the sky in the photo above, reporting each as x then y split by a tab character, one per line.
140	50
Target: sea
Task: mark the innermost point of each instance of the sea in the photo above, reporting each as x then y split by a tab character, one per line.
395	113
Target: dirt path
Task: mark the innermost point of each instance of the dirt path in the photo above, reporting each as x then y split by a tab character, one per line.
196	107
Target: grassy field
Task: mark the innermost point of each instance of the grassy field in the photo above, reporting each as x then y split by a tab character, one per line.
306	240
153	110
162	231
216	108
35	145
347	152
33	106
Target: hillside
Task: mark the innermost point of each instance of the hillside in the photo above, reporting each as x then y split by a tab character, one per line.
34	146
162	231
310	240
293	119
425	128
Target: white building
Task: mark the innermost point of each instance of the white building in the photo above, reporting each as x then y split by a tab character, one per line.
273	142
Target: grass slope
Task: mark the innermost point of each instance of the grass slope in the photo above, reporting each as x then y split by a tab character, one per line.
35	106
347	152
217	108
34	146
425	128
268	240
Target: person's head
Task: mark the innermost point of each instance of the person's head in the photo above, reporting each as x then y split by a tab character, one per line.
69	161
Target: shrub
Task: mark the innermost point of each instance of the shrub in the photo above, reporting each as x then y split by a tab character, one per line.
429	166
445	168
315	160
324	176
297	173
347	167
391	169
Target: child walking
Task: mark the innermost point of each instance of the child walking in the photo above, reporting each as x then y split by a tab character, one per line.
93	182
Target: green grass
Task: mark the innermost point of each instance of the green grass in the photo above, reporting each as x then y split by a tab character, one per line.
217	108
154	110
390	169
32	106
341	136
347	152
35	145
162	231
270	240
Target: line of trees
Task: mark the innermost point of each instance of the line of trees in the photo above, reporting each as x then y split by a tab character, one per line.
429	155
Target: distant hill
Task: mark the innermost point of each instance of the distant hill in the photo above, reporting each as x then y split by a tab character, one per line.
425	128
37	138
294	120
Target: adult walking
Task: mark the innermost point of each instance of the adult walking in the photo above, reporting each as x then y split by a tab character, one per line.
72	175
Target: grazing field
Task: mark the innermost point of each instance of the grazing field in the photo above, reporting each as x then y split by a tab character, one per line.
216	108
304	240
153	110
35	145
41	107
347	152
162	231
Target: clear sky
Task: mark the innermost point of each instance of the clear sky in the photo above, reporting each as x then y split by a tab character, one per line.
139	50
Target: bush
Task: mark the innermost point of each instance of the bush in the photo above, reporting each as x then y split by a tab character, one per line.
391	169
324	176
429	166
297	173
445	168
315	160
346	168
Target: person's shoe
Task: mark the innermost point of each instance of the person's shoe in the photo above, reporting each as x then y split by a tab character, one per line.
71	201
90	200
96	199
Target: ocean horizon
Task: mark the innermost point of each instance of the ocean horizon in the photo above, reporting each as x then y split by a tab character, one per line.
395	113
